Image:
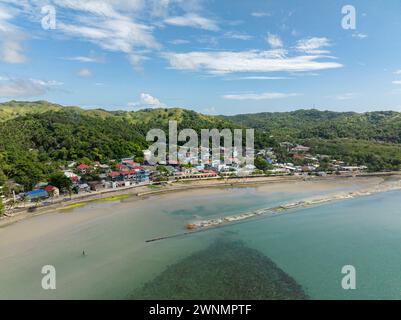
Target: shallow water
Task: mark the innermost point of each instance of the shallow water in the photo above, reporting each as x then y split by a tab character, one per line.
310	245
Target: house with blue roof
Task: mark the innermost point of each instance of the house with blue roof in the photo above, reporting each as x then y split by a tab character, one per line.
36	194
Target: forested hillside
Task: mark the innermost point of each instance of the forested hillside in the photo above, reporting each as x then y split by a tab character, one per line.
372	138
36	138
305	124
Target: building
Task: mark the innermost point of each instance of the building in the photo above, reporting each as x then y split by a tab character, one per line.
353	168
36	194
73	177
298	156
114	175
83	187
104	168
142	175
130	163
40	185
52	190
84	168
96	185
203	174
122	167
300	149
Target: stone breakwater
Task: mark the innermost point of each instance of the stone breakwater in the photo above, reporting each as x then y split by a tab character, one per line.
210	223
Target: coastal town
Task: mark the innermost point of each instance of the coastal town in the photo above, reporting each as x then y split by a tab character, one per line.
87	177
200	158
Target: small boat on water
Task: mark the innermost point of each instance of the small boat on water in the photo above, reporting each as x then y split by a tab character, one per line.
190	226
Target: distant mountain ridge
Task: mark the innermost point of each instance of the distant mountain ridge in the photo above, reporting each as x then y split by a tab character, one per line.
300	124
306	124
14	109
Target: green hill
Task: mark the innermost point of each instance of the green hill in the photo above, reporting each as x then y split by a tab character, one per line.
306	124
36	138
13	109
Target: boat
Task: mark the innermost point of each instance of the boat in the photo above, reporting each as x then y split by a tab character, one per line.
190	226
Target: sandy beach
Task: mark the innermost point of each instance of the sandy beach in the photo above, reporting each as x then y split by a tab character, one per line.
172	192
277	184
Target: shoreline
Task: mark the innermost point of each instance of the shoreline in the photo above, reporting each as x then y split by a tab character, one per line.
305	203
144	191
208	224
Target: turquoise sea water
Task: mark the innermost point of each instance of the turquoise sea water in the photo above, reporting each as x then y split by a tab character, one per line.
311	245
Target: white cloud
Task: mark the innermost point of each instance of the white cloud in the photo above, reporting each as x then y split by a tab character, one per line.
238	36
193	20
208	40
179	41
397	82
346	96
18	87
274	41
110	24
12	52
359	35
107	8
84	73
259	78
91	58
224	62
136	60
160	8
125	26
11	37
112	34
313	45
259	96
397	72
260	14
82	59
149	101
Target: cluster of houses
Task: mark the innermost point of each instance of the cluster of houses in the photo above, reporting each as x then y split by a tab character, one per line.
41	191
125	173
309	163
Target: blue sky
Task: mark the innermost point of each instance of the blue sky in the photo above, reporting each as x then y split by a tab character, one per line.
212	56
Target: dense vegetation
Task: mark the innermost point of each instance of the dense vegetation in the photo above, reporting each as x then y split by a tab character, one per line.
307	124
1	207
33	146
372	138
377	156
36	138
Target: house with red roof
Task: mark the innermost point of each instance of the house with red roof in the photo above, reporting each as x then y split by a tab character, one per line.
74	178
84	168
121	167
114	174
130	163
52	190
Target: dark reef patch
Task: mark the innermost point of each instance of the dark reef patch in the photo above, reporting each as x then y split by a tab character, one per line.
225	270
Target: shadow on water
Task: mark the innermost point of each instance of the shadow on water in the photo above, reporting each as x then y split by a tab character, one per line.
227	269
